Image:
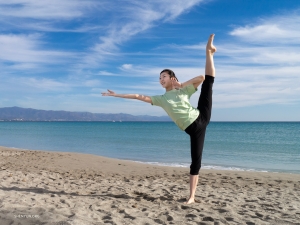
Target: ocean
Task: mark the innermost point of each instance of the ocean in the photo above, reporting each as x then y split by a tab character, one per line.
244	146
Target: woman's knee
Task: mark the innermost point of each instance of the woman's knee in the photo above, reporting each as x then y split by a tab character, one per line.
195	168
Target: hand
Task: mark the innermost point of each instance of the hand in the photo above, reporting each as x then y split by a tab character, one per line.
175	83
109	93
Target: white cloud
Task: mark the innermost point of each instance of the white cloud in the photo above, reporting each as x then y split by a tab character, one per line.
126	67
51	15
92	83
277	29
28	51
245	53
105	73
41	85
44	84
50	26
261	31
46	9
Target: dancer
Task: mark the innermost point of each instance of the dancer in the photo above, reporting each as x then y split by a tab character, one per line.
176	103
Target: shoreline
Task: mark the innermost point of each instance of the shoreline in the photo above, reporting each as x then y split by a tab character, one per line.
217	168
130	163
76	188
159	164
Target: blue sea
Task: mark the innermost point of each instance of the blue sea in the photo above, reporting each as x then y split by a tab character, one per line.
245	146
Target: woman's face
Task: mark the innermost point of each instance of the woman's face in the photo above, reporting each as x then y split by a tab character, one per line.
165	80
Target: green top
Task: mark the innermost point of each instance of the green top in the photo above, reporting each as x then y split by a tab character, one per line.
177	105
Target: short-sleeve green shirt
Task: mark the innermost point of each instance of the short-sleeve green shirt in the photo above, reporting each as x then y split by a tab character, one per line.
177	105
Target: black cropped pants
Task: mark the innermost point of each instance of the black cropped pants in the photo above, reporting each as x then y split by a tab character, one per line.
198	128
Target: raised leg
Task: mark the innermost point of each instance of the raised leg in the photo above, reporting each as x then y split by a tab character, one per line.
210	50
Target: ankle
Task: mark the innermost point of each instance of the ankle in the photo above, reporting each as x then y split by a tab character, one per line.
210	52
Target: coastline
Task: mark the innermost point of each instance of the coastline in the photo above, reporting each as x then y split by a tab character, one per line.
78	188
173	165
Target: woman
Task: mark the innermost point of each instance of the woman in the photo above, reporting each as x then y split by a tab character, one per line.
176	103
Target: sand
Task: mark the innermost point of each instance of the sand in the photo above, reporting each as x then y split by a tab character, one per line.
39	187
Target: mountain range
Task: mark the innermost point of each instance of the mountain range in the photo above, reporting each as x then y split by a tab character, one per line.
28	114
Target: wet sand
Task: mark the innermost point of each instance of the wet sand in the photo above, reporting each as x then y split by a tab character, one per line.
39	187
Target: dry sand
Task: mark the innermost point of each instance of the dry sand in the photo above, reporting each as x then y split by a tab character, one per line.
39	187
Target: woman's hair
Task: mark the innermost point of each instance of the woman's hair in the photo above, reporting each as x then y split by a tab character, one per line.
170	72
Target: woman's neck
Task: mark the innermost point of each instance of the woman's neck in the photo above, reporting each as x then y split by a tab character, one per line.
169	89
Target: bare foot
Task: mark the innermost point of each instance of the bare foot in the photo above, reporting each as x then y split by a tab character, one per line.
190	201
210	47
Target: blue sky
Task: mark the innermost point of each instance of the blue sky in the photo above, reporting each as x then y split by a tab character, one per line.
61	54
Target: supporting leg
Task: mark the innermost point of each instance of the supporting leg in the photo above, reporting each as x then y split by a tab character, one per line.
193	186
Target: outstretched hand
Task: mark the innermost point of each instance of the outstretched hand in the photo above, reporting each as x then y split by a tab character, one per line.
109	93
175	83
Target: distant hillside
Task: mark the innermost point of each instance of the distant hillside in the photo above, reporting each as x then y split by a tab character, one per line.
23	114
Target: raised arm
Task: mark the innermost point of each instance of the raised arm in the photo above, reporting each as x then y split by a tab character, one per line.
196	81
143	98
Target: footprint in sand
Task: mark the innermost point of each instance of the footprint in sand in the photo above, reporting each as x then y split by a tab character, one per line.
259	215
242	212
250	223
190	215
106	218
222	210
184	207
208	218
229	219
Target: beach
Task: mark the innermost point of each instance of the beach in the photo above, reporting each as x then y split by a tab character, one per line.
43	187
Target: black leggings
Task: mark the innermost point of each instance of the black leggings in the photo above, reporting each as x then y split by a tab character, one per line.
198	128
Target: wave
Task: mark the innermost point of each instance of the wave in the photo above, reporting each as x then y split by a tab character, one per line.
211	167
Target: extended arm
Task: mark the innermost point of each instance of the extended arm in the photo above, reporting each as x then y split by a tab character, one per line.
196	81
143	98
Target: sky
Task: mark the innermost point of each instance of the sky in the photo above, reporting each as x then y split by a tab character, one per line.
61	54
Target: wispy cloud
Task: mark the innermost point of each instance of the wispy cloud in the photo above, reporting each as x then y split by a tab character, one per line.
126	67
46	9
105	73
50	15
277	29
27	49
243	53
126	21
28	54
133	18
239	87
